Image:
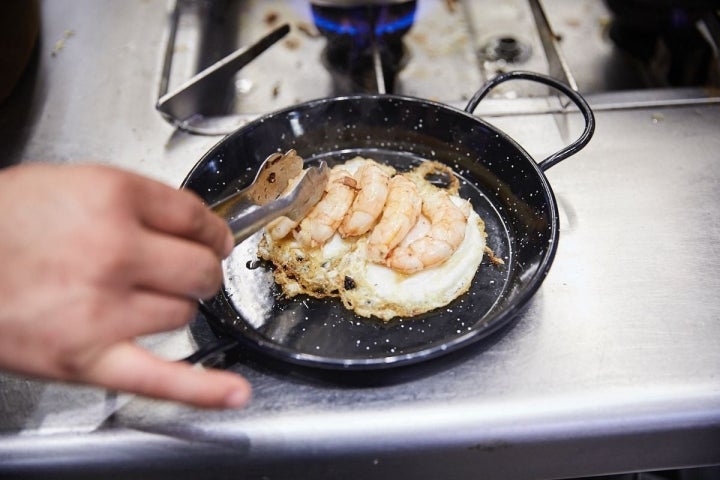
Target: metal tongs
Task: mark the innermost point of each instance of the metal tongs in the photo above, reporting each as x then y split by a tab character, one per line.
280	188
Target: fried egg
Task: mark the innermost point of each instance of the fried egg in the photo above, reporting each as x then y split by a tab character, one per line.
340	267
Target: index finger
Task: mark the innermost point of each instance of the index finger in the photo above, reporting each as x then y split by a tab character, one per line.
182	213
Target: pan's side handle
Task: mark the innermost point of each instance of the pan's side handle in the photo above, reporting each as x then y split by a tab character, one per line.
211	351
576	98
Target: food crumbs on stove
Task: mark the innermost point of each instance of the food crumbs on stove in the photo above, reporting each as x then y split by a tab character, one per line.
292	43
307	29
60	44
271	17
451	4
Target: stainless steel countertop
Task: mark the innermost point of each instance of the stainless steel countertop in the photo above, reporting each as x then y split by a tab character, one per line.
613	367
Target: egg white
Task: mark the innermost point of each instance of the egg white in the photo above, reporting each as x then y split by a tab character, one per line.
384	293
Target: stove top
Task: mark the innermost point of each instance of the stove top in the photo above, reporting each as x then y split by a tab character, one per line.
598	364
441	50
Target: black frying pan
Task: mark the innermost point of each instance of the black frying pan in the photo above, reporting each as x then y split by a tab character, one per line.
505	185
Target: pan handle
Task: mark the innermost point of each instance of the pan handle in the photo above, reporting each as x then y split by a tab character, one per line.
211	351
576	98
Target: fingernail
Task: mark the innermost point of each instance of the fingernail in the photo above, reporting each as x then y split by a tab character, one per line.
237	399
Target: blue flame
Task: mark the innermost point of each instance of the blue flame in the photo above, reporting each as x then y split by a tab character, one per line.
382	29
399	24
335	27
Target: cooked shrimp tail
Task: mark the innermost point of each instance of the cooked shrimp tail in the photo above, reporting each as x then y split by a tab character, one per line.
402	209
280	227
325	217
369	202
447	231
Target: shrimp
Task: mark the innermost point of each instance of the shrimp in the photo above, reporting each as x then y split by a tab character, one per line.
368	204
447	231
325	217
280	227
402	209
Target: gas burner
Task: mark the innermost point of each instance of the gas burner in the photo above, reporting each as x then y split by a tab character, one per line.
365	50
506	48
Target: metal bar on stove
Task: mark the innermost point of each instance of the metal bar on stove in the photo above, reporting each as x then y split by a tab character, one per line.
709	25
167	62
377	65
557	64
182	103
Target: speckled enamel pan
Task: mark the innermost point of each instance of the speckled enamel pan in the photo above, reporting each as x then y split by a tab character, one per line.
505	185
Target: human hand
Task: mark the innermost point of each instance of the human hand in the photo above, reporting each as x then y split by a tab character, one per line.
93	257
